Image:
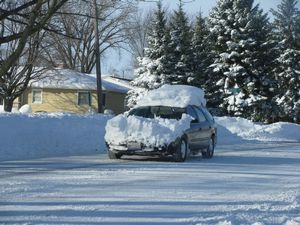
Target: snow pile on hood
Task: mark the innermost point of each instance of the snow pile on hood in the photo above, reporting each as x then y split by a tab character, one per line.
248	130
174	96
151	132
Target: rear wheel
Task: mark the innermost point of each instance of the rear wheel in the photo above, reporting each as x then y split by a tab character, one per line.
113	155
181	151
209	153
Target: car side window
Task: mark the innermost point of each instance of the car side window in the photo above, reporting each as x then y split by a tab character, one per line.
190	111
200	114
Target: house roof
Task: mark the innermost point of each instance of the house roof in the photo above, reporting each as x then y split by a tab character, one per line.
69	79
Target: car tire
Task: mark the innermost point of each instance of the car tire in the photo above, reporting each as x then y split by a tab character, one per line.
113	155
209	152
181	151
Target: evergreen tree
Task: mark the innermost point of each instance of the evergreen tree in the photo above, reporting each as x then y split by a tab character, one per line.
201	53
287	34
240	81
181	56
154	67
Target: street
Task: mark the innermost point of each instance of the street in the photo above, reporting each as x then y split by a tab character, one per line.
249	183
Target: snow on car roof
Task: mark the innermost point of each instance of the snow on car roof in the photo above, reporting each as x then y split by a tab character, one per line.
69	79
173	95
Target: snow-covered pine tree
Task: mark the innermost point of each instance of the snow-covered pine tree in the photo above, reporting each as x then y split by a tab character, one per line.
240	80
181	56
287	71
154	66
201	52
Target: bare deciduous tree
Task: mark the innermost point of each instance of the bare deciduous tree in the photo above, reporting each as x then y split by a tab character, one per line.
137	35
21	25
77	20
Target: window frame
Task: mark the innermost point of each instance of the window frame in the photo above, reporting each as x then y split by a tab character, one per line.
89	98
32	97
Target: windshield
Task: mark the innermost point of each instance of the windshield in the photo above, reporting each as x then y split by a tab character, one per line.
158	111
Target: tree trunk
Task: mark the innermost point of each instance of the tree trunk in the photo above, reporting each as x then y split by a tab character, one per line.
8	104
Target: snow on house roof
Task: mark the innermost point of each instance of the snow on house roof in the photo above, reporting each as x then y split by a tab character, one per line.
69	79
173	95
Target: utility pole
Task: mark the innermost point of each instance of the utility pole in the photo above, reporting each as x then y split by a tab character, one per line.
98	60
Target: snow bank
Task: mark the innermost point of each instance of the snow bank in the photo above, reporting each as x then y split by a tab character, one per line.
45	135
14	110
25	109
151	132
173	95
248	130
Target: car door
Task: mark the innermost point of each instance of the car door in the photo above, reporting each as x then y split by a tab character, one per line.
192	133
204	128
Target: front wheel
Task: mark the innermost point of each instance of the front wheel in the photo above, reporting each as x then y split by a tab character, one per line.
113	155
180	154
209	153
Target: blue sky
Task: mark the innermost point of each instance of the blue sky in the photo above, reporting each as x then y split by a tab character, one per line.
120	62
206	5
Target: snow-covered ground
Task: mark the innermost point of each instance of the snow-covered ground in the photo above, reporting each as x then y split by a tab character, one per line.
254	177
243	184
27	136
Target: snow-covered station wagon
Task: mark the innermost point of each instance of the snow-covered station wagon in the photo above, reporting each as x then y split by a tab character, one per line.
169	121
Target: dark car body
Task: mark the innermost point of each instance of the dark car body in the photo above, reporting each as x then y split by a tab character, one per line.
201	135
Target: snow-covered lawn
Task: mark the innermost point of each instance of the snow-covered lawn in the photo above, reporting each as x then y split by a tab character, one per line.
248	183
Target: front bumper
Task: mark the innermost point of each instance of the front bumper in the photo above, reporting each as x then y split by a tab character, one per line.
141	149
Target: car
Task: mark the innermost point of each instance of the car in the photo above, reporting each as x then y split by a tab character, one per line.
198	134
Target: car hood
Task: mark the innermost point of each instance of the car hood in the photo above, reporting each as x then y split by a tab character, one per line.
155	132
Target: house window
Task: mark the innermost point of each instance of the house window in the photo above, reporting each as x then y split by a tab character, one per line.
36	96
84	98
104	99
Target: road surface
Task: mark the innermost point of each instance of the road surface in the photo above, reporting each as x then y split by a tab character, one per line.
253	183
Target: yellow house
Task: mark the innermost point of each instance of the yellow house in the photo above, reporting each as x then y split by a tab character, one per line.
63	90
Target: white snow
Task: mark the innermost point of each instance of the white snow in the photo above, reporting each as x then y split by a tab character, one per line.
251	184
155	132
247	130
174	96
70	79
25	109
26	136
247	182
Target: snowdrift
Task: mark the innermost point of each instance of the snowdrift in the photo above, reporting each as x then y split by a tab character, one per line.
151	132
242	129
46	135
50	135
